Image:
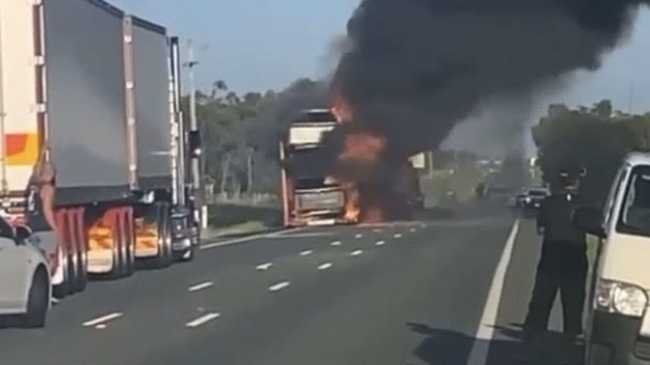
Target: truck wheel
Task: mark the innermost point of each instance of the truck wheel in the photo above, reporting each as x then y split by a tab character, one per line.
65	287
72	250
37	300
185	256
118	243
82	251
166	256
129	241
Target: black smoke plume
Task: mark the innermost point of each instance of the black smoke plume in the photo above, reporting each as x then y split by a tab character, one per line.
416	68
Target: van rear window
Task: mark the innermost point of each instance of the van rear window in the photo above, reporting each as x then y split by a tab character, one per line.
635	213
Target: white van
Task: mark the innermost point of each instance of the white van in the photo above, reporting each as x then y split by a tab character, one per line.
618	322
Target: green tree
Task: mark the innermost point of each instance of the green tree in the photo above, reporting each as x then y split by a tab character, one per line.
584	138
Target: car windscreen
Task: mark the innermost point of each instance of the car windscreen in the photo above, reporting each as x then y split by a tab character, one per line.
537	193
635	211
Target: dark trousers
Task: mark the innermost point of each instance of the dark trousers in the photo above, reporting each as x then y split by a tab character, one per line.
568	275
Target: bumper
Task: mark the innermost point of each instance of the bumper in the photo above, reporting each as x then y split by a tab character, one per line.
614	340
532	205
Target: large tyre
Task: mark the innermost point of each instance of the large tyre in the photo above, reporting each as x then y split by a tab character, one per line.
37	300
129	242
163	219
166	253
185	256
65	287
82	251
117	250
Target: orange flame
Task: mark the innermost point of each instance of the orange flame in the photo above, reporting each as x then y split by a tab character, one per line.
352	203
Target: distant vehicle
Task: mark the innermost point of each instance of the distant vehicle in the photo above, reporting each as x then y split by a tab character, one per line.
533	198
618	321
97	92
25	289
310	197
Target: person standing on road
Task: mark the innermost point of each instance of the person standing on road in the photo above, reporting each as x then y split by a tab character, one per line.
563	264
41	215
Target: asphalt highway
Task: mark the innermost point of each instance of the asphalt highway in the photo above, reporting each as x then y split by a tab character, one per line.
435	291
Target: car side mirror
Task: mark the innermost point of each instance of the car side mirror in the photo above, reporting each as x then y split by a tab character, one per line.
195	144
590	220
23	233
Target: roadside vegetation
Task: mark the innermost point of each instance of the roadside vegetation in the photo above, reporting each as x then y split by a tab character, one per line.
596	138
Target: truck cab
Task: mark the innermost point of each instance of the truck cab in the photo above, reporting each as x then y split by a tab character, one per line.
618	321
310	196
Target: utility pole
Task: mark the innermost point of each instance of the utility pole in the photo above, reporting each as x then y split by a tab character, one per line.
197	183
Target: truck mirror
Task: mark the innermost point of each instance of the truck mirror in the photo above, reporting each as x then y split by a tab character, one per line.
590	220
195	144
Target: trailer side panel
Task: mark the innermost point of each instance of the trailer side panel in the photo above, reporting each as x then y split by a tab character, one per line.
152	101
86	100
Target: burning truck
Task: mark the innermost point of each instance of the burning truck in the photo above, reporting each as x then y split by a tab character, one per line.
310	196
316	189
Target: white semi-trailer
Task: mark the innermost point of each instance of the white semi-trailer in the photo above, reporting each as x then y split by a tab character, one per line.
96	92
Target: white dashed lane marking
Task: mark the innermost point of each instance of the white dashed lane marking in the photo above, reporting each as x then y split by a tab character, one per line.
202	320
380	243
201	286
356	253
397	235
306	253
264	267
336	243
358	236
279	286
102	319
325	266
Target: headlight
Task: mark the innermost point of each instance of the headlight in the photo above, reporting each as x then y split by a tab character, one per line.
528	200
330	181
625	299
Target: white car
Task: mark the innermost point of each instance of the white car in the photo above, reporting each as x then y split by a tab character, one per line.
25	289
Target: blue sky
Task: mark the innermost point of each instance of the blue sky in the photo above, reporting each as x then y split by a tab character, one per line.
263	44
253	44
256	45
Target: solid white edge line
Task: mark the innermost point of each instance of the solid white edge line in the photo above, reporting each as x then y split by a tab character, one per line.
279	286
202	320
201	286
102	319
485	333
208	246
325	266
